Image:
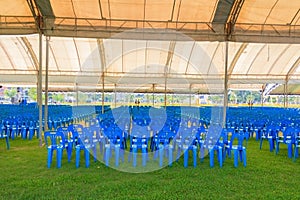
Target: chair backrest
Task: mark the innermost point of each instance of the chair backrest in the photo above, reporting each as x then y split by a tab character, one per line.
139	141
3	133
75	130
85	137
66	132
54	138
223	139
297	137
289	134
238	138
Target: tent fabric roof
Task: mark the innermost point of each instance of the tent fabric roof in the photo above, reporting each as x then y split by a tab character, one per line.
234	20
145	45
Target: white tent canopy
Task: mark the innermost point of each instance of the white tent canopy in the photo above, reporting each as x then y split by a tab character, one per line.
234	20
151	46
79	61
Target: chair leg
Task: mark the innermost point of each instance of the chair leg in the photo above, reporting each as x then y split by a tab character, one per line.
271	144
49	158
87	157
31	133
170	155
185	157
220	155
178	152
134	151
161	154
295	153
202	150
117	155
257	135
229	153
122	154
95	153
77	156
236	157
195	155
241	155
101	144
211	157
144	155
69	151
277	147
260	143
290	150
59	156
13	134
107	154
244	158
7	143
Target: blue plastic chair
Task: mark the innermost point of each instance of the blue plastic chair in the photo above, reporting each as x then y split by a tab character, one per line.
31	130
98	137
115	141
214	142
287	137
136	144
85	143
187	146
199	137
270	135
4	135
297	146
55	141
236	145
24	130
69	141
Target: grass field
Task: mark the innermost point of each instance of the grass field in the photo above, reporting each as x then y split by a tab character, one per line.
24	175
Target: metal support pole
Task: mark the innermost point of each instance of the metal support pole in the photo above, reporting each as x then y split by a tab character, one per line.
262	98
77	94
46	83
115	99
225	85
190	96
165	98
40	89
173	99
285	93
153	85
102	92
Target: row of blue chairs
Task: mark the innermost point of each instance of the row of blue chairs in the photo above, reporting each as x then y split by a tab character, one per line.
275	135
182	130
25	129
84	139
75	136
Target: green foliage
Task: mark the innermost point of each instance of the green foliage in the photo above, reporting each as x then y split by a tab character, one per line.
10	92
241	96
32	94
82	97
58	97
215	99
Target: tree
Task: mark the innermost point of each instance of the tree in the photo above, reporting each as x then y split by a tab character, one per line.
11	93
58	97
82	97
32	93
232	97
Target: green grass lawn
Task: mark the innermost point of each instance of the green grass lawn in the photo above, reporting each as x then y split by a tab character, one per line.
24	175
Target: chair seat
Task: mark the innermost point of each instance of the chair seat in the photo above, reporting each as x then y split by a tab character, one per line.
235	147
54	142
